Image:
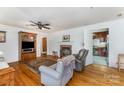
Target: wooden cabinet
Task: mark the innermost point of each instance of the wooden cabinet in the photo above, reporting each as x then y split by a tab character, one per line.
7	76
28	56
27	46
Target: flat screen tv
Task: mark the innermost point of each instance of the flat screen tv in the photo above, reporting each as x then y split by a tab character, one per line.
26	44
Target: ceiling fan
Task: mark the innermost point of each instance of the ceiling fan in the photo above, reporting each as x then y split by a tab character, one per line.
39	24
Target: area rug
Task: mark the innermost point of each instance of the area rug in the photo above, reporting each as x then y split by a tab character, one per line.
35	64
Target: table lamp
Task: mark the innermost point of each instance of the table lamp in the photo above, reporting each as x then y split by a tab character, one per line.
1	53
1	56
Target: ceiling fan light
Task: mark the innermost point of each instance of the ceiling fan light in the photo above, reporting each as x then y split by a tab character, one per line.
42	28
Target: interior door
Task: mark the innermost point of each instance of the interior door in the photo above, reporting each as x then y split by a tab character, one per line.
44	44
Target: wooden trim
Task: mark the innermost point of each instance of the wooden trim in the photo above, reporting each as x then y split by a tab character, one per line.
27	32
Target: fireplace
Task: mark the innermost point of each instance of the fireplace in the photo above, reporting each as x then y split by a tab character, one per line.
65	50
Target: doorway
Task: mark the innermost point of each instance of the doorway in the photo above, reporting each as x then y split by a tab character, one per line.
101	47
44	46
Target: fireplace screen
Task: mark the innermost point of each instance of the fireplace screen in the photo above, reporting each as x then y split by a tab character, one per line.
65	50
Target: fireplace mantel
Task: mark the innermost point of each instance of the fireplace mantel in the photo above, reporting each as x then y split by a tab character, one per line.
64	43
66	46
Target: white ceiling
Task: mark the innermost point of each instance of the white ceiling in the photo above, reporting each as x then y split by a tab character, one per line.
59	18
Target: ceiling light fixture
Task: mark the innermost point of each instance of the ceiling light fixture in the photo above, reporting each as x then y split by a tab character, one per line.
91	7
120	14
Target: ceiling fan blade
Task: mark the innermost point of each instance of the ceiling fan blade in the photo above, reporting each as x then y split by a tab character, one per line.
31	25
46	27
33	22
46	24
39	25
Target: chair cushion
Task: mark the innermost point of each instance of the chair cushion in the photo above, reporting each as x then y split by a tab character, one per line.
60	67
81	53
67	60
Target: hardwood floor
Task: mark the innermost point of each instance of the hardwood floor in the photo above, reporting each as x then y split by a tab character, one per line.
93	75
98	75
22	77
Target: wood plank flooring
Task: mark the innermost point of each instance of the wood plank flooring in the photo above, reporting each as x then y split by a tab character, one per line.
22	77
98	75
93	75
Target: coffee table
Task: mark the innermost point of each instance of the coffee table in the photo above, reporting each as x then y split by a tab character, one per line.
30	68
35	64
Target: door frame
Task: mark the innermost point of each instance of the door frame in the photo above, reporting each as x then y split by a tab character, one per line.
44	52
101	30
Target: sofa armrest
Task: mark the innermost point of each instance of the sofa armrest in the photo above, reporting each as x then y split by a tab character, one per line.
53	66
49	71
79	61
75	55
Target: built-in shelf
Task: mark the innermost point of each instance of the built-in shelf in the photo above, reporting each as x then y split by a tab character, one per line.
27	53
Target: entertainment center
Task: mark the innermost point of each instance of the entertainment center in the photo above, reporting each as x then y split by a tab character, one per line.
27	46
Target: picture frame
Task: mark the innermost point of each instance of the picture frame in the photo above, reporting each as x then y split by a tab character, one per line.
2	36
66	38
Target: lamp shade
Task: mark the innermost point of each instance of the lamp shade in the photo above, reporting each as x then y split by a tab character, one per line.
1	53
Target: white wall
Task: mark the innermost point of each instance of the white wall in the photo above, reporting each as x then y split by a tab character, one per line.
77	39
55	40
10	48
116	37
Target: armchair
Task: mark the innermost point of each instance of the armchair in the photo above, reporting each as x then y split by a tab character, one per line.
58	74
80	59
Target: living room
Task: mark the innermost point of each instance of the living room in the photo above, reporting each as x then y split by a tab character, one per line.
74	32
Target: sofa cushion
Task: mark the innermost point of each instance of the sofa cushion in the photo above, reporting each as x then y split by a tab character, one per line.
66	60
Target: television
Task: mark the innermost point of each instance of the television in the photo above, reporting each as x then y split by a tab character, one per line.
27	45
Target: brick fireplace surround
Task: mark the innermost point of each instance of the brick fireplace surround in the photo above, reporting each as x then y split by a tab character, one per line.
65	50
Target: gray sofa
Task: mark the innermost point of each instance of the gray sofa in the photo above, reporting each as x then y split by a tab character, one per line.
58	74
80	59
